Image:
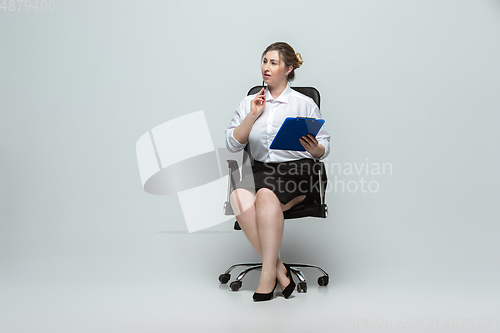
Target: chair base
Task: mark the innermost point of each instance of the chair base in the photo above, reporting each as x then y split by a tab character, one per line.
301	286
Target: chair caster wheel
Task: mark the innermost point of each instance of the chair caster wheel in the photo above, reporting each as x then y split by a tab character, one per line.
223	278
302	287
235	285
323	280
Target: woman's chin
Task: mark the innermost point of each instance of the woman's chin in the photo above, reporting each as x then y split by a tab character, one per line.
268	83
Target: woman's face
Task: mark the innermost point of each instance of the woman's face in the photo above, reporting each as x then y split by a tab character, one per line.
273	69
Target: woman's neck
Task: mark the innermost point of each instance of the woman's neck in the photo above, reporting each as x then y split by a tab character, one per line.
278	89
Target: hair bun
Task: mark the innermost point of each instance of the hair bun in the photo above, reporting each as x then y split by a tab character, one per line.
299	60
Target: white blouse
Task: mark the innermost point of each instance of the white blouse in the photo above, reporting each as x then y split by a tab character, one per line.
289	104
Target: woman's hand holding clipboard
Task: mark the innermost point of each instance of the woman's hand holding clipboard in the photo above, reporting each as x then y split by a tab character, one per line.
310	144
299	134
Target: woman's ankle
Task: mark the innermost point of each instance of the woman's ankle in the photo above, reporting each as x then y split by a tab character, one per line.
280	267
269	269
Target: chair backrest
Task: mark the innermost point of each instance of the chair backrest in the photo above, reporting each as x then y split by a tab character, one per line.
308	91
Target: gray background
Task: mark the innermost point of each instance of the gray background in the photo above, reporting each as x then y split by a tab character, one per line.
412	83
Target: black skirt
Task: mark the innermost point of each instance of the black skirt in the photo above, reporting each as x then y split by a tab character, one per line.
287	180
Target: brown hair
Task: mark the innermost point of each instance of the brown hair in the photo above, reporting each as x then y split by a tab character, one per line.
288	55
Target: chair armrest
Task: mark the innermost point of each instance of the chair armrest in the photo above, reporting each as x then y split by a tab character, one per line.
234	174
233	177
322	180
232	165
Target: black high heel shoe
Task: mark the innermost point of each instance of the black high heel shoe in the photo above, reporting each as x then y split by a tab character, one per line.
291	286
258	297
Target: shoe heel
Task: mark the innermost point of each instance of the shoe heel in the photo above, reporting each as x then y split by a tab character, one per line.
291	286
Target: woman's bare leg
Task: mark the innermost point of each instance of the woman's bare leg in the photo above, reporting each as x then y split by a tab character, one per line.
270	226
280	268
293	202
243	203
247	220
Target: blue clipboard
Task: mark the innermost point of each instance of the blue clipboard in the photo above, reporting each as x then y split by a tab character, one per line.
292	129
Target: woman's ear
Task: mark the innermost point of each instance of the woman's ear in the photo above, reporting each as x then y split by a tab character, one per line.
289	70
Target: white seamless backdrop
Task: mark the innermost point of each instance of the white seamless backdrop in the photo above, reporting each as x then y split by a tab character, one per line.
411	83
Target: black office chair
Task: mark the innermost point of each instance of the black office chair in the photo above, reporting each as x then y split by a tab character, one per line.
317	208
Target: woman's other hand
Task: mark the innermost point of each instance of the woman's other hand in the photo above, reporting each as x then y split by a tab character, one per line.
258	104
312	146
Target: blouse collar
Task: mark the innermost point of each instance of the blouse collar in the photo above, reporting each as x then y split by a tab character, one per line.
283	98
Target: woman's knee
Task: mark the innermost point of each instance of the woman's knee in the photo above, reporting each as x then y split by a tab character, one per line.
265	194
267	198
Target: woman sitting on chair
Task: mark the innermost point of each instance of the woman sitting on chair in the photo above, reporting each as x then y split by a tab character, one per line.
278	180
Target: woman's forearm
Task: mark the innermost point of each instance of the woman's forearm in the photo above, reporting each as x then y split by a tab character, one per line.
241	132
